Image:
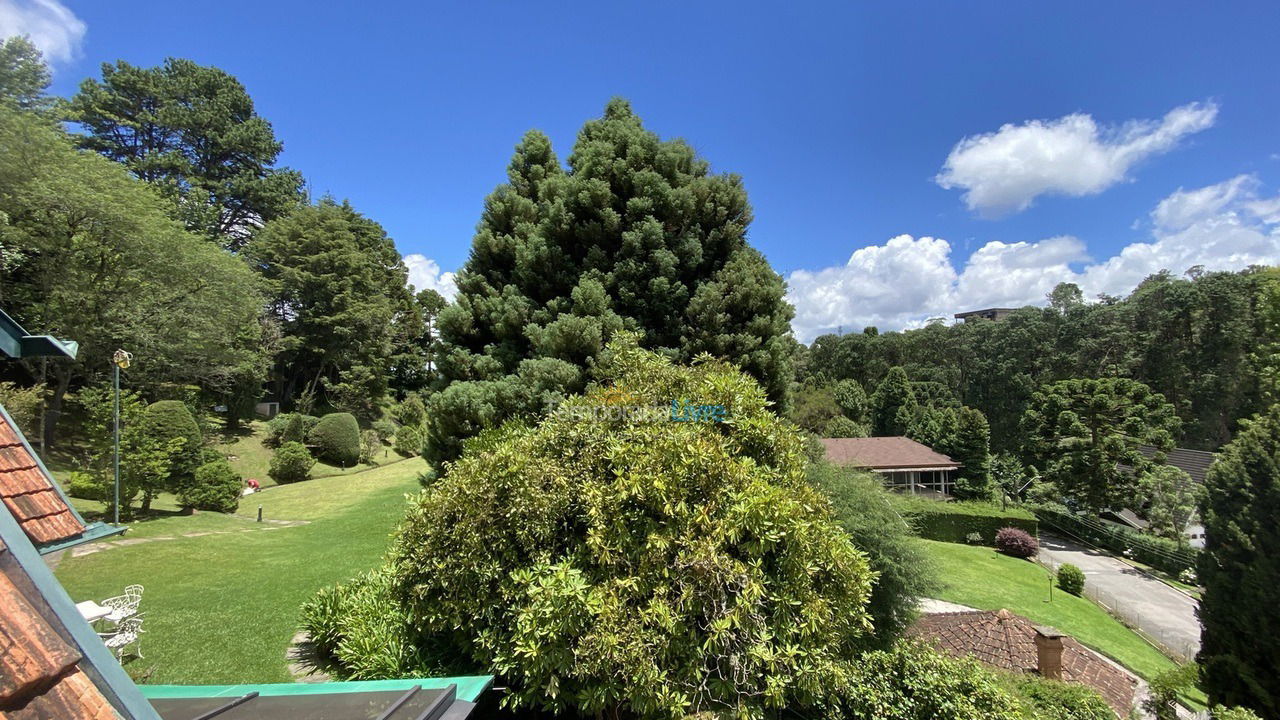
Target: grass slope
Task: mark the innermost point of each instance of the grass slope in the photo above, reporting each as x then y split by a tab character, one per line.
222	608
253	459
982	578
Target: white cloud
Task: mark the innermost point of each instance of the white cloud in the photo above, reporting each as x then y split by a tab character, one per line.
906	281
425	273
1004	171
52	27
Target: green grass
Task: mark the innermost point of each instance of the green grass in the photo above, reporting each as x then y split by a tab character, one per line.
252	459
982	578
222	608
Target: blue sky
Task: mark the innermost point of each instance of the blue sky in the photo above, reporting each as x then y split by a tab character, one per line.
846	122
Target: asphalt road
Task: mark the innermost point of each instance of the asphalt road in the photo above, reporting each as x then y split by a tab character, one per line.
1142	601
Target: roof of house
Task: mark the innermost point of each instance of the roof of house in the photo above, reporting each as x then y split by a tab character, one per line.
1193	462
886	453
30	493
40	670
983	311
1008	641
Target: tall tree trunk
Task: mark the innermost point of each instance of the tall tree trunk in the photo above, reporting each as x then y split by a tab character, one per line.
61	381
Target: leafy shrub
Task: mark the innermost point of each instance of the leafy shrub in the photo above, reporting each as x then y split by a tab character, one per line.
385	428
336	439
1016	542
370	444
289	427
1188	577
1234	713
911	682
623	564
1164	689
216	486
954	522
166	420
843	427
292	462
1052	700
408	441
973	538
906	574
22	403
1071	579
85	486
410	411
362	627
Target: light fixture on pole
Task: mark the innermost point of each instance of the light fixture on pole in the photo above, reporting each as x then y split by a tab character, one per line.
119	361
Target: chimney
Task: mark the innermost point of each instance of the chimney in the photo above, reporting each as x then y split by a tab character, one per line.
1049	652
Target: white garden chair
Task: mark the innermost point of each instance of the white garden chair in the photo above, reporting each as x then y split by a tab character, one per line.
128	632
123	606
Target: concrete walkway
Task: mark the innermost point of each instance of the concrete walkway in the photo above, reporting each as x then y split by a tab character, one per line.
1164	614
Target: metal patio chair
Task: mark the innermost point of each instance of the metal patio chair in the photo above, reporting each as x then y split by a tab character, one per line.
128	632
123	606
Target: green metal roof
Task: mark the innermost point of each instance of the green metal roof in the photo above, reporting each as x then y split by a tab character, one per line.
18	343
469	688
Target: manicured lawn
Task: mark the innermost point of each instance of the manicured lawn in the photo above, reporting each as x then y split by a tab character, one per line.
982	578
221	608
252	458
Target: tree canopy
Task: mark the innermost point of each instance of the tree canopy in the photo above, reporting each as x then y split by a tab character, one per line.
637	233
192	131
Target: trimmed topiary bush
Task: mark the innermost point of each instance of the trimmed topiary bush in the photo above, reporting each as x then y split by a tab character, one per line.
408	441
168	419
216	486
1071	579
289	427
336	439
1016	542
291	463
85	486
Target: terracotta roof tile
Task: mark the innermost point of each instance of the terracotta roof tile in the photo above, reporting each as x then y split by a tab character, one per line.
885	453
40	677
30	494
1007	641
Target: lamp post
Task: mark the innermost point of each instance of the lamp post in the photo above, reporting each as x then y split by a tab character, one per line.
119	361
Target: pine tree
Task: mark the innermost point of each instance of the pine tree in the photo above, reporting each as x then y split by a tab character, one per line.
852	400
892	405
1240	570
970	446
637	233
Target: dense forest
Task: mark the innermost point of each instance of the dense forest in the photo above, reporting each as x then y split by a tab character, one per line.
1207	342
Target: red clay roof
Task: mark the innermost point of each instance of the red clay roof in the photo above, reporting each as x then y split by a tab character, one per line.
30	493
885	453
40	675
1007	641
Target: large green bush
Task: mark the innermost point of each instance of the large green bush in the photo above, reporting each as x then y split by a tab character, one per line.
216	486
1051	700
408	440
911	682
167	420
336	439
863	507
292	462
1071	579
955	521
634	566
289	427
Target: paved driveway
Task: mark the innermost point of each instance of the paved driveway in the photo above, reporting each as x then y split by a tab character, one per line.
1164	614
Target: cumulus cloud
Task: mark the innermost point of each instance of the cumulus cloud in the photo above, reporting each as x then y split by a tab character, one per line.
425	273
1004	171
52	27
907	281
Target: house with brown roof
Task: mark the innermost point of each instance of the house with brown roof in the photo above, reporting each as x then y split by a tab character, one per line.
906	464
1011	642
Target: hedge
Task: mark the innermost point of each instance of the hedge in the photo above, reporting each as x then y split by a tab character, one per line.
1159	553
954	522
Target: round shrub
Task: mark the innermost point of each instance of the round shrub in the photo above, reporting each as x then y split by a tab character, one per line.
1071	579
85	486
336	439
1016	542
385	428
843	427
624	562
410	411
168	420
292	462
216	486
408	441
